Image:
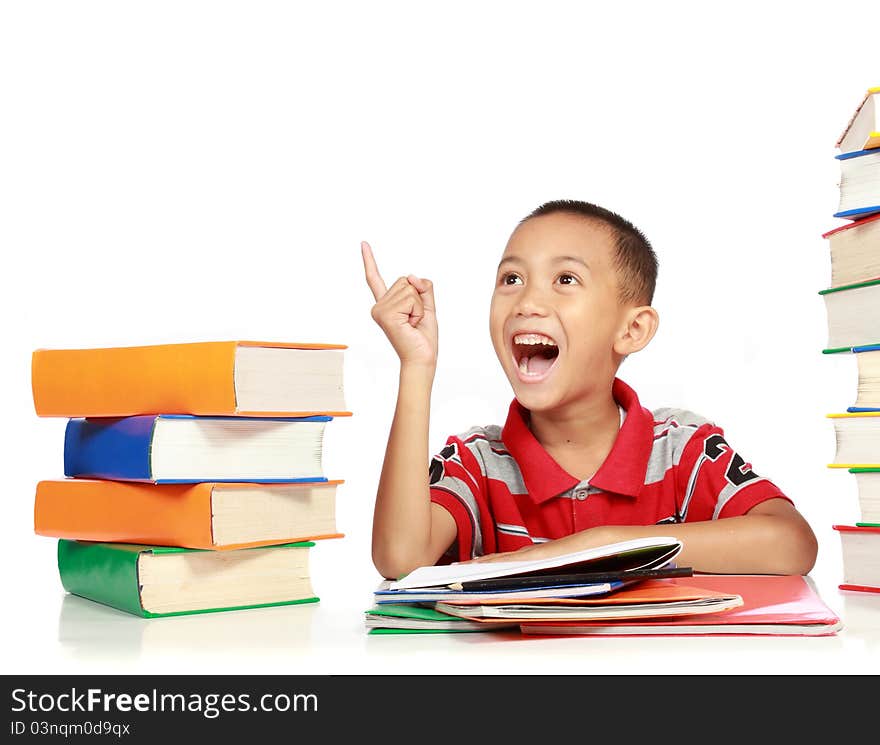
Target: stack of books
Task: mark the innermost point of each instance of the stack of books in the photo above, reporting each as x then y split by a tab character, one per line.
852	303
193	471
629	587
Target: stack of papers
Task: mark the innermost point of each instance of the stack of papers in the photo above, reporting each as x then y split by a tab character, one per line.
631	587
653	598
491	595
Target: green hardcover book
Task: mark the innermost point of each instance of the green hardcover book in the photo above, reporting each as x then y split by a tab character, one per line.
156	581
850	316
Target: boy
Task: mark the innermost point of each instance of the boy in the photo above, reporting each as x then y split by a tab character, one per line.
579	462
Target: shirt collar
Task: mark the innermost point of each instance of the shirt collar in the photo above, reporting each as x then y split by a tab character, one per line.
622	471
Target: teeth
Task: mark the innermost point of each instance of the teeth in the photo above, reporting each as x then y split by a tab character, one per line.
524	365
533	339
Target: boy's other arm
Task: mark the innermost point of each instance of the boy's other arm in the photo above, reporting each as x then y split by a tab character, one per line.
408	530
772	538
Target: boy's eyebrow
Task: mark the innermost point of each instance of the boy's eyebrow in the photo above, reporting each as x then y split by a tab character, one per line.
509	260
556	260
576	259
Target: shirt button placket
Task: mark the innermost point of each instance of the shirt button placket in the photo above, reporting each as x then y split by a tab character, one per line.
579	495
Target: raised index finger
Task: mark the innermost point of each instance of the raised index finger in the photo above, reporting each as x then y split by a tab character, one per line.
374	279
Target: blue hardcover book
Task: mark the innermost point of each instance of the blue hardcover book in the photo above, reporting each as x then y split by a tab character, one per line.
166	448
859	184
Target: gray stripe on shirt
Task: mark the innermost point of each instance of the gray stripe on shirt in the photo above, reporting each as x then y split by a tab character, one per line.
729	492
460	489
498	466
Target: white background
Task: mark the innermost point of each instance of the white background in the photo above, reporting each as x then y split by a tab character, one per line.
181	171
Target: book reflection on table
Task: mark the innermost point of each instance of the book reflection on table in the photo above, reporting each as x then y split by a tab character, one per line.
90	631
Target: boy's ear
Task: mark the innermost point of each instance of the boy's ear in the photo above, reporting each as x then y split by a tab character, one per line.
640	325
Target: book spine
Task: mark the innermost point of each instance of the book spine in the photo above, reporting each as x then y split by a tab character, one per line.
104	573
125	512
109	448
192	378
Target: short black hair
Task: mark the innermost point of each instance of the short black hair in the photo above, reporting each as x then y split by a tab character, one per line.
634	259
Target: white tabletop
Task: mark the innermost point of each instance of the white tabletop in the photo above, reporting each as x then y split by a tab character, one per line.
329	638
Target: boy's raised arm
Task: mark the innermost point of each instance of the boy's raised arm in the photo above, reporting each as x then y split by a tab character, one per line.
408	531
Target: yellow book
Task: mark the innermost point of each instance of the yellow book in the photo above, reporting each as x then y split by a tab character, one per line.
858	439
863	130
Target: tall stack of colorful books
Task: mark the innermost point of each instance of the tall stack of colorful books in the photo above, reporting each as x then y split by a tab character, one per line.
852	303
193	471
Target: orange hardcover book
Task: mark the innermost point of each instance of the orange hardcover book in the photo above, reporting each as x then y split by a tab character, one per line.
205	515
221	378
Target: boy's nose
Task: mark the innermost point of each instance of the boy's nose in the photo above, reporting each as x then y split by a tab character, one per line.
531	303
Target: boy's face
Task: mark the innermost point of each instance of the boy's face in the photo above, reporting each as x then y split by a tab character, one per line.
555	311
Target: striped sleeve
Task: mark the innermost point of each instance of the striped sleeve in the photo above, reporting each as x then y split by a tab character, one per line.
457	484
716	481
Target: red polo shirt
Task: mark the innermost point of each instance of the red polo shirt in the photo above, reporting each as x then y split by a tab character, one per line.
667	466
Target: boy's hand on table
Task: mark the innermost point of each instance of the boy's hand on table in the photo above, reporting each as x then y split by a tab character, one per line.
405	312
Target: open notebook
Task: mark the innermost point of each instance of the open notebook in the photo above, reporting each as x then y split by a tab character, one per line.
638	553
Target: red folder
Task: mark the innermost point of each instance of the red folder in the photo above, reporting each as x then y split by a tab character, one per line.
772	605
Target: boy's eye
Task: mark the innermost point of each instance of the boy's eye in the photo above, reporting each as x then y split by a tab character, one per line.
510	279
568	279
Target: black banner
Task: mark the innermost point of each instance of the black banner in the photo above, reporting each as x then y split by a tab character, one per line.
175	708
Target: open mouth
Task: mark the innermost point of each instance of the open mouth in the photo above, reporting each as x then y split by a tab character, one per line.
534	354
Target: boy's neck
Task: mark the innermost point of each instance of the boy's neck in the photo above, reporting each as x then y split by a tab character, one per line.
586	425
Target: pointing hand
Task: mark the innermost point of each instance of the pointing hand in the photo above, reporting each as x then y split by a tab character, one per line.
405	312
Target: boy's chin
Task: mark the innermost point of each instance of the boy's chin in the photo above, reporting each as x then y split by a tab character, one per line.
534	399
